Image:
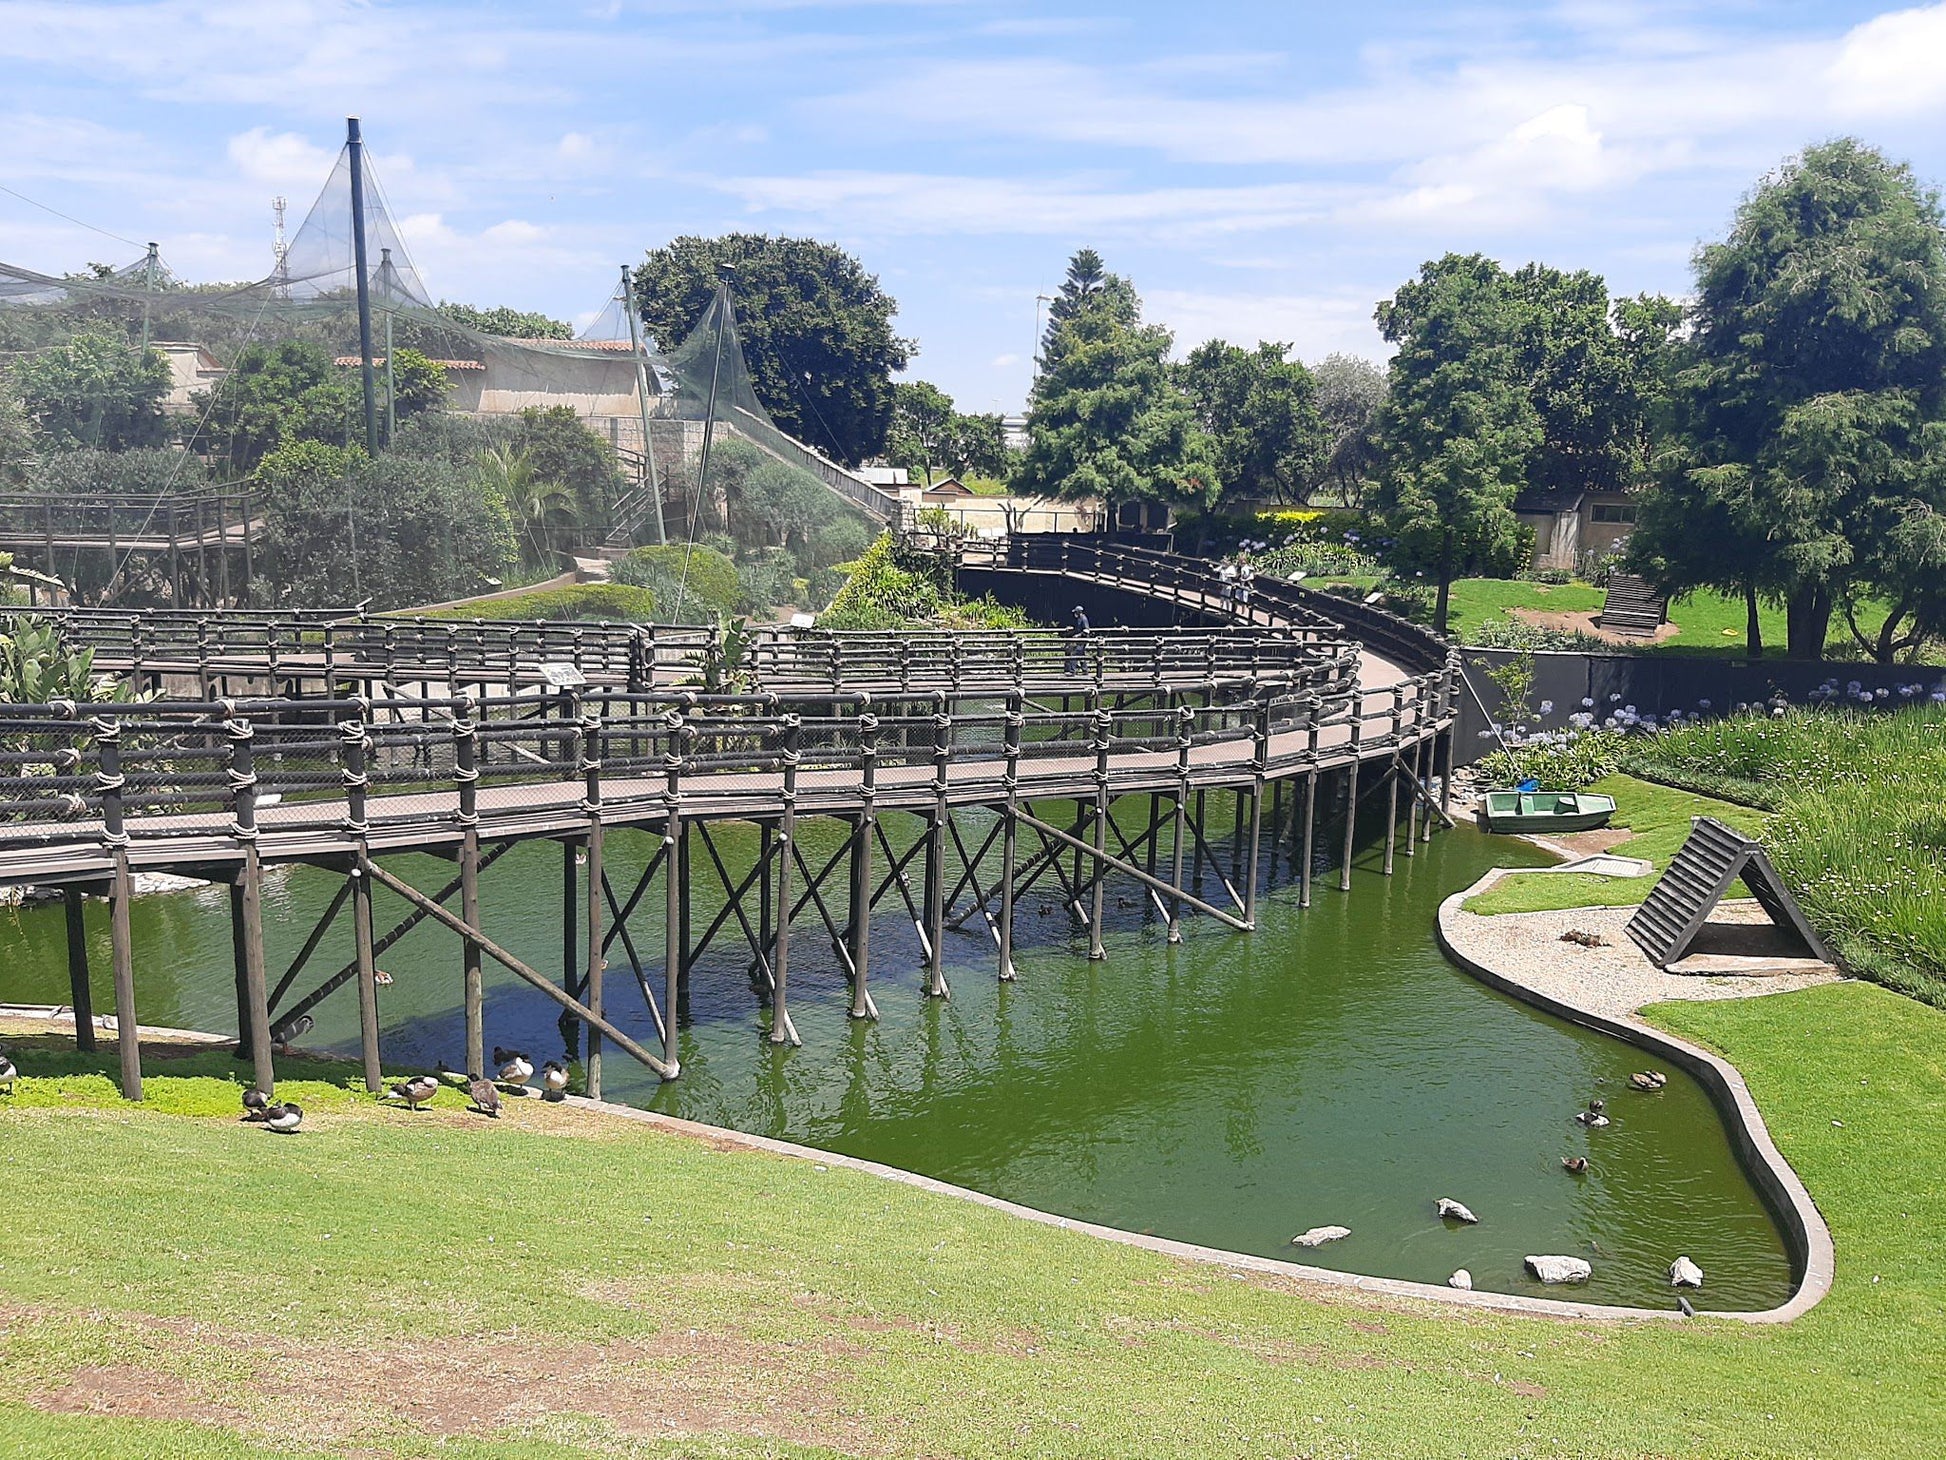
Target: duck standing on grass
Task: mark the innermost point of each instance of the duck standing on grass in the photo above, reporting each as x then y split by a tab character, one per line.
416	1091
256	1104
8	1072
554	1081
486	1096
515	1068
284	1118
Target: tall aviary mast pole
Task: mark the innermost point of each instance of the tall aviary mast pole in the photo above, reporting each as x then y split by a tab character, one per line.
642	397
148	295
355	143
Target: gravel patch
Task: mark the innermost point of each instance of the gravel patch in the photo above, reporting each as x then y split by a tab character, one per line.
1617	979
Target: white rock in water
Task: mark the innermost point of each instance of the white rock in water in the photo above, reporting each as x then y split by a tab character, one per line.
143	883
1560	1269
1463	1280
1685	1274
1458	1211
1318	1236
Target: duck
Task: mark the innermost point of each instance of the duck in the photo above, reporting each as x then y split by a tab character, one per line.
515	1067
291	1030
486	1096
1575	1165
1592	1117
1648	1079
284	1118
554	1080
9	1072
255	1104
416	1091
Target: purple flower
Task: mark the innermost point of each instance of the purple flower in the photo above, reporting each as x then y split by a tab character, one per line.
1702	704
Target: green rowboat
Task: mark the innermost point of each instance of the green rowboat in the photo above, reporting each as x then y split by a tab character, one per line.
1544	811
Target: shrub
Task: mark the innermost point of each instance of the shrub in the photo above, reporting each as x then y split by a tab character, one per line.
1502	632
1566	761
698	575
601	602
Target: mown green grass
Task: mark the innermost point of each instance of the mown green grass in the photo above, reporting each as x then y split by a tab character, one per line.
1658	819
728	1292
1860	829
1706	622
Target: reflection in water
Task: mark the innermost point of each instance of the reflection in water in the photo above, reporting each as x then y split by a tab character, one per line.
1329	1068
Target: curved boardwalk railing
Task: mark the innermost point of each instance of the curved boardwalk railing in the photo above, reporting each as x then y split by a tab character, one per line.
464	739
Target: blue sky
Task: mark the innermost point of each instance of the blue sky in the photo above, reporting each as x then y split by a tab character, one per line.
1260	170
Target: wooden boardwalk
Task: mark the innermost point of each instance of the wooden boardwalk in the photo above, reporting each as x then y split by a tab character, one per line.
463	740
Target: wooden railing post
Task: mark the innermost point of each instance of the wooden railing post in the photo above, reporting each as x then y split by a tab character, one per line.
356	745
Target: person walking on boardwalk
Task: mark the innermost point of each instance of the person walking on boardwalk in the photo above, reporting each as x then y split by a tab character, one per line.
1077	642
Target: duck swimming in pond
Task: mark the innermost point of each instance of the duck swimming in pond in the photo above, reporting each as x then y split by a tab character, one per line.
1575	1165
1648	1080
1592	1117
416	1091
554	1080
285	1118
255	1104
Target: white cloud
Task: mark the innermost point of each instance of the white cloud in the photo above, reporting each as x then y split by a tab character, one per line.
279	158
1893	64
1001	362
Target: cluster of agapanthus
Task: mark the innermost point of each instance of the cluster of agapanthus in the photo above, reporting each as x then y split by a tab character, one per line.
1855	692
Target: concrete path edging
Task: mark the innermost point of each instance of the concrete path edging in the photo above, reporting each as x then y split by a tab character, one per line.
1805	1232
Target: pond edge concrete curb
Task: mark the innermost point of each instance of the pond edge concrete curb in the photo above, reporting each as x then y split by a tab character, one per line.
1803	1225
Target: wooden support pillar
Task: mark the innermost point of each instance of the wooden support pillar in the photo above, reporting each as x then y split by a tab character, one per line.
238	977
1446	779
1351	823
782	1031
675	877
1103	725
591	751
1391	811
1260	769
242	771
570	940
1310	834
1413	763
121	944
355	753
935	909
863	829
1185	724
1010	832
466	779
80	995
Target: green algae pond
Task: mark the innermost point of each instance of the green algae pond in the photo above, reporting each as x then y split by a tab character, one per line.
1331	1068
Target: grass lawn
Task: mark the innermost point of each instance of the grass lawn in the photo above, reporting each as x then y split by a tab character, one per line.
1658	818
555	1283
1707	623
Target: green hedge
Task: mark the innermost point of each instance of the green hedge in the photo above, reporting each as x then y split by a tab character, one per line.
608	602
702	574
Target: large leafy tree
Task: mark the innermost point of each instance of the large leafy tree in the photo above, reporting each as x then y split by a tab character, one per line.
564	450
816	330
95	391
1807	406
1348	393
1260	409
292	391
1108	422
928	432
1088	289
19	440
412	527
519	324
1459	427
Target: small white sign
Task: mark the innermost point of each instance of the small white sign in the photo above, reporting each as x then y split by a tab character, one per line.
803	620
562	675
